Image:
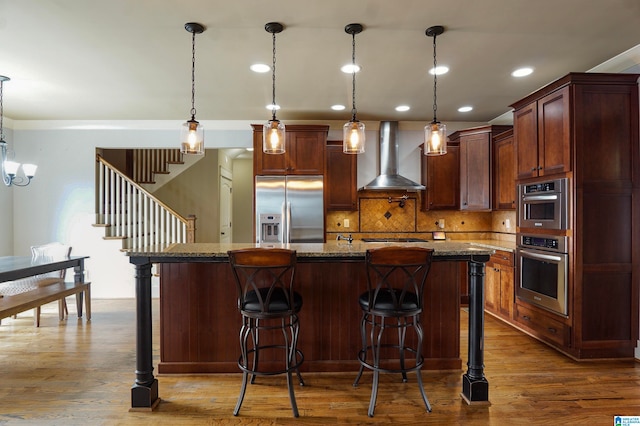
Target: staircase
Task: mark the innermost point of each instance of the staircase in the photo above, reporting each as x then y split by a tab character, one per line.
131	213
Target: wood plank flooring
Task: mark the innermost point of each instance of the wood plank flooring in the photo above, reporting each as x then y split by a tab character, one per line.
75	372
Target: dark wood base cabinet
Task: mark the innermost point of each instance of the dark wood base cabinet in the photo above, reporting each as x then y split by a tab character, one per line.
584	126
199	319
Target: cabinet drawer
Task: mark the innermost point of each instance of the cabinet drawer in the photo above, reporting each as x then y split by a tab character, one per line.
543	327
502	257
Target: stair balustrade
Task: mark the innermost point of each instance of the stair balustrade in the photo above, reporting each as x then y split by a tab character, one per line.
131	213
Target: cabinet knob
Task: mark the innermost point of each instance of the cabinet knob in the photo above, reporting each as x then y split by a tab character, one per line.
533	169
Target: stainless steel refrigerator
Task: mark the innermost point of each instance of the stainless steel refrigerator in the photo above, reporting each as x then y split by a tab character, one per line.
289	209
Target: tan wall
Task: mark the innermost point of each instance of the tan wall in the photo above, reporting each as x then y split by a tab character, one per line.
196	191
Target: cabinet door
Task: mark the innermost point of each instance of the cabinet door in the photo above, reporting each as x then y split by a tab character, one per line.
341	178
442	180
504	176
554	138
267	164
507	291
306	152
475	172
492	288
525	130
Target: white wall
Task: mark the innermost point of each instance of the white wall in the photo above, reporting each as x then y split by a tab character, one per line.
6	208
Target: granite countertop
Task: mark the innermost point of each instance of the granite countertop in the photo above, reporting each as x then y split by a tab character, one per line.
331	249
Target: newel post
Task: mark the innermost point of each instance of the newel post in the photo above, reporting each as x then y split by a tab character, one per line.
191	228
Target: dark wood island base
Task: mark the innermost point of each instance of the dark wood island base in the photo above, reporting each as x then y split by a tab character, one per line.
199	322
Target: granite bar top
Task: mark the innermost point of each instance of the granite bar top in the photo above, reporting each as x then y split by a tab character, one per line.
330	249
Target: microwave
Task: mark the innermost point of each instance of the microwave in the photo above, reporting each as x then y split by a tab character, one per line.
543	204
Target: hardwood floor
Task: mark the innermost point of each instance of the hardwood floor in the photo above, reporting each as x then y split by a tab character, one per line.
81	373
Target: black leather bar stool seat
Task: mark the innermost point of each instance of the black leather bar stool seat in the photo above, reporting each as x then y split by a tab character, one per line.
393	300
267	303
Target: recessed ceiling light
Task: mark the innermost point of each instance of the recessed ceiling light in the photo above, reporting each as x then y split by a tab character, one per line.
350	68
272	107
522	72
465	108
439	70
338	107
260	68
402	108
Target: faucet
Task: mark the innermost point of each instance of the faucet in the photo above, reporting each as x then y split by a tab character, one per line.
349	239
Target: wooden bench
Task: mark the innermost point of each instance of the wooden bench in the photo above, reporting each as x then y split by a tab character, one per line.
14	304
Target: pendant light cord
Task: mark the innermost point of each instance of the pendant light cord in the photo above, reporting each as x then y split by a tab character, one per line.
273	79
353	77
435	81
193	76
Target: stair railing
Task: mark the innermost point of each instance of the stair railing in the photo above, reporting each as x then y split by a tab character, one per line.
131	213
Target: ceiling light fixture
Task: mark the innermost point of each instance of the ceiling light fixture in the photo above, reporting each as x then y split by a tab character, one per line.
260	68
522	72
465	108
435	133
353	137
273	132
10	168
192	132
403	108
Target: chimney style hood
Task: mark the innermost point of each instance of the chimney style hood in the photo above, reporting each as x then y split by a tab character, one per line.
389	179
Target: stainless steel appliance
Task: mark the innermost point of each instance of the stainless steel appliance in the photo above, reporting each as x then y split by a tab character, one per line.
542	264
289	209
543	204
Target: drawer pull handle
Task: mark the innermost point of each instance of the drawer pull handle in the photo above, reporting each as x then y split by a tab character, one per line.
552	330
526	318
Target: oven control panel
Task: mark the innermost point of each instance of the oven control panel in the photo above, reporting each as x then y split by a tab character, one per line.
557	244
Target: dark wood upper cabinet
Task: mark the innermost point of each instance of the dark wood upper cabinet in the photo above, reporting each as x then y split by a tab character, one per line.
440	174
504	175
304	152
544	135
341	192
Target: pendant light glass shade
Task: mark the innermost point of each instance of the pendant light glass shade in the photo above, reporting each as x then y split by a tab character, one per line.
273	131
192	138
353	136
435	133
273	137
192	132
435	137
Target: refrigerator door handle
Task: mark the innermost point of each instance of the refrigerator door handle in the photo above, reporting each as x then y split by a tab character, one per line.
288	222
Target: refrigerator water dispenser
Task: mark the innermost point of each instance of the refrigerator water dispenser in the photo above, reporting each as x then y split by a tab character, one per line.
270	225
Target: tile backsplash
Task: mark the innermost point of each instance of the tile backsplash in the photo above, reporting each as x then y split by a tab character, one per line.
377	216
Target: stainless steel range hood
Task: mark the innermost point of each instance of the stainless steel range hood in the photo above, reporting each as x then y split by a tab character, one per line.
389	179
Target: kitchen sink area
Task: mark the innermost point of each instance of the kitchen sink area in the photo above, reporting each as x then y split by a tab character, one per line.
394	240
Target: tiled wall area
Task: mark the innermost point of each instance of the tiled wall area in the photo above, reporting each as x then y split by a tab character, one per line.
378	217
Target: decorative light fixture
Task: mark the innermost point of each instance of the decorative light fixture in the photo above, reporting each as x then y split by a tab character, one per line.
10	168
435	133
273	132
353	132
192	132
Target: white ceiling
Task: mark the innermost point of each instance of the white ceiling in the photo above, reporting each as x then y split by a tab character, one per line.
131	60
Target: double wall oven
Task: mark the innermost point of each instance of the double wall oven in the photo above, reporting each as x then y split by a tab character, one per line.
542	259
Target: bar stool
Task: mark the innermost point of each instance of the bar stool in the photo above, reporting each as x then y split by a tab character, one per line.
267	302
395	284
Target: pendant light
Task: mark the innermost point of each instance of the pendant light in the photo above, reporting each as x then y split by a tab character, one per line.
353	132
192	132
435	133
10	168
273	132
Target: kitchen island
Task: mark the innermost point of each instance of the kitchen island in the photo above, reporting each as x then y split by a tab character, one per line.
199	322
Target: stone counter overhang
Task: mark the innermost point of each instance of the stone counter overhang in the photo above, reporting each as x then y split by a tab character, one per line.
320	251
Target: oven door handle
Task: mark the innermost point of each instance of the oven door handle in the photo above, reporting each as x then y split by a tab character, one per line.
539	197
541	256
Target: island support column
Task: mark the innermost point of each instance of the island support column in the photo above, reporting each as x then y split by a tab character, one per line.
475	387
144	393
